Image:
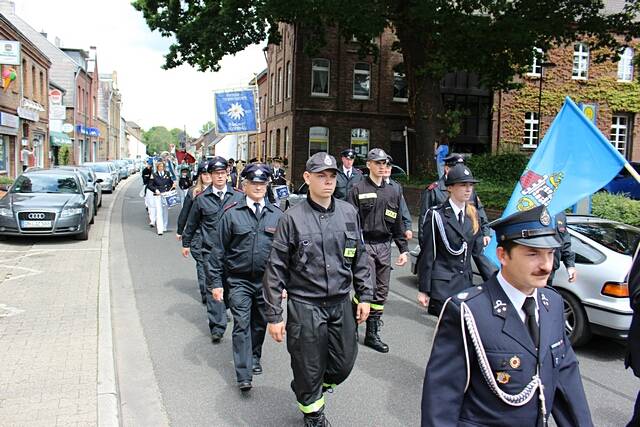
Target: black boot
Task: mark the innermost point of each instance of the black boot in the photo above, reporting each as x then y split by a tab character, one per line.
372	339
316	419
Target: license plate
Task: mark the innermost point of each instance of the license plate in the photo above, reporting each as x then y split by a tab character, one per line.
35	224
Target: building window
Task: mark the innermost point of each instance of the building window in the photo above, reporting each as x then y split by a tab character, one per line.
625	65
279	86
272	95
4	153
275	149
271	143
42	93
286	142
320	77
318	139
289	79
536	64
580	60
530	130
361	80
400	89
360	141
25	82
620	132
34	88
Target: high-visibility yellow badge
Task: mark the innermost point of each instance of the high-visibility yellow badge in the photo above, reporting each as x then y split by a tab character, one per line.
391	214
367	196
349	252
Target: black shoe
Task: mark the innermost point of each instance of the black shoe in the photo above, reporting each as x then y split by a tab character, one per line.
257	368
318	420
372	339
216	337
204	299
244	385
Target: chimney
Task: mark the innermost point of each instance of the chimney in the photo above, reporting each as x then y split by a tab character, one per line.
58	42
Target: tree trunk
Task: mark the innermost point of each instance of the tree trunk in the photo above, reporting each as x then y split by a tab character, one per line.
425	102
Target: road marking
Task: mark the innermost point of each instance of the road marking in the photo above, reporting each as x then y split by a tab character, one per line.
7	311
11	276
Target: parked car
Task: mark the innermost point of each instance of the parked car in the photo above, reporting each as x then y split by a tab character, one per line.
598	302
47	202
122	167
131	164
625	183
297	196
106	172
92	180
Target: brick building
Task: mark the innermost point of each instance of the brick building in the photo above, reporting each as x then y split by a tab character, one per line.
258	141
336	100
607	91
24	112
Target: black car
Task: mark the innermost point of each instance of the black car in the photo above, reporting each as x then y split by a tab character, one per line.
92	181
47	202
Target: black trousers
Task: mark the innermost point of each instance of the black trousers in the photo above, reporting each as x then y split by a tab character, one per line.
249	324
635	421
322	343
216	311
196	253
379	257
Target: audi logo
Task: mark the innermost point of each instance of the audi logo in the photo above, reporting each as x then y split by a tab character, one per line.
36	216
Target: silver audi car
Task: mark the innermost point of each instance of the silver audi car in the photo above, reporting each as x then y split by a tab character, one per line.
47	202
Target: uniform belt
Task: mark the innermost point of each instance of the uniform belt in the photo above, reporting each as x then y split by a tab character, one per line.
247	276
320	301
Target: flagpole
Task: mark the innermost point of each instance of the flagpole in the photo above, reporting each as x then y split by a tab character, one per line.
632	171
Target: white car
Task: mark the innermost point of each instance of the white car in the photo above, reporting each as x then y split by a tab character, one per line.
598	302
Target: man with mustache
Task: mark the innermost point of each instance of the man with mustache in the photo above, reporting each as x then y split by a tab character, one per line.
500	355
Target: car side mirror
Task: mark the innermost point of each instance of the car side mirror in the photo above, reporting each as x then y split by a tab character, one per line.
99	180
88	190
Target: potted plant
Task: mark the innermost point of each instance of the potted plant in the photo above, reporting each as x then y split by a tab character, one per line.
5	183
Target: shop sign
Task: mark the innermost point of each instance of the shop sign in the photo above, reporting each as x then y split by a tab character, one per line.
55	97
9	120
87	131
9	52
57	112
67	128
28	114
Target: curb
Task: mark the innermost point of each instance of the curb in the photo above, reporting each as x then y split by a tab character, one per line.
107	387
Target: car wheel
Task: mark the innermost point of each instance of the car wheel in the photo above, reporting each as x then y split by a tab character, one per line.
84	234
576	323
100	204
93	218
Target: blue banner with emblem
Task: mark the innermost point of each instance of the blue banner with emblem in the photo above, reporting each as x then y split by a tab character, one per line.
235	111
573	161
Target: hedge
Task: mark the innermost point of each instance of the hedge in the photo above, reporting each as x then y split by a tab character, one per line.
616	207
503	168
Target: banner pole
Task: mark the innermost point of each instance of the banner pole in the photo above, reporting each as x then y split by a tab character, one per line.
632	171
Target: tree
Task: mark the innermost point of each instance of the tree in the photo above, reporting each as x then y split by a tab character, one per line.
207	127
493	38
157	139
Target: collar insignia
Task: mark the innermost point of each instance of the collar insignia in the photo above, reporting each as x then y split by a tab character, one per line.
500	307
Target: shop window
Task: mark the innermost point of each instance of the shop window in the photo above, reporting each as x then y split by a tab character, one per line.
318	139
4	153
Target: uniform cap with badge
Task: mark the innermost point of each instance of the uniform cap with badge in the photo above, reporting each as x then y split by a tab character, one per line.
535	228
459	174
217	163
202	168
320	162
454	159
349	153
378	154
256	172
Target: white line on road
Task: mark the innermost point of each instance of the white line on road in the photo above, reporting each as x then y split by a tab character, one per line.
7	311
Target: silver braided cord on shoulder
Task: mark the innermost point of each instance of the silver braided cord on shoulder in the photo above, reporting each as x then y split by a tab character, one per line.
436	219
519	399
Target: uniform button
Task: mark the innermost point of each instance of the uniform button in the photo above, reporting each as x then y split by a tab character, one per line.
461	272
461	260
328	266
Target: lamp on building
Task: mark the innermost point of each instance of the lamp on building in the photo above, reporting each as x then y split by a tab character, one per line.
543	65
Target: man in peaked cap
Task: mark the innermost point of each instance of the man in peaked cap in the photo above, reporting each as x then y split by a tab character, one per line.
348	176
244	238
500	356
378	205
318	257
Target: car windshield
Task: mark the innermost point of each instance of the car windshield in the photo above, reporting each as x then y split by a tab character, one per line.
618	237
101	167
38	183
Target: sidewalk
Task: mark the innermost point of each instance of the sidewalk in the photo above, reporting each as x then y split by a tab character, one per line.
49	320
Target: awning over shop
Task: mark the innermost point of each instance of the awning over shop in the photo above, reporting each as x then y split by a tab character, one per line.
59	139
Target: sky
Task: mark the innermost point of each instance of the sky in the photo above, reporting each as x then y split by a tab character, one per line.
151	96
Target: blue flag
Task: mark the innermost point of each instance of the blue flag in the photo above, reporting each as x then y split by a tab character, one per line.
573	161
235	111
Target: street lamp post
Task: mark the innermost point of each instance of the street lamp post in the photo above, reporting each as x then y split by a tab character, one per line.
543	65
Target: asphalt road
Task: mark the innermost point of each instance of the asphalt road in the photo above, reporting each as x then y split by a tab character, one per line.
196	379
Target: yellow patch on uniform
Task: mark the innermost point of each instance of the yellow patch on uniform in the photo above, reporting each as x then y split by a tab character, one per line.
503	377
391	214
349	252
367	196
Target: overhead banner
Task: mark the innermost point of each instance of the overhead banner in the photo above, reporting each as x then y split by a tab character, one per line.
235	111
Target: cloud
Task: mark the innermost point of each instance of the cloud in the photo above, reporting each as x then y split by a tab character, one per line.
151	96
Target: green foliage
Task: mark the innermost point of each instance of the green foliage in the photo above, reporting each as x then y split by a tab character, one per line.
64	155
207	127
505	168
6	180
616	207
158	138
495	195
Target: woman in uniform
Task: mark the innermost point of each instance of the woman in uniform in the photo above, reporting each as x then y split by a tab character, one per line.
161	182
451	236
203	180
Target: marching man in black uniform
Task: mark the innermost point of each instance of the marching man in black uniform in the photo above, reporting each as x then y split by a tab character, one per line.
245	234
348	176
318	257
451	236
205	213
378	205
633	349
500	356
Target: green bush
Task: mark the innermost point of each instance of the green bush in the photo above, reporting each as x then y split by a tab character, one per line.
504	168
616	207
494	195
6	180
64	155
